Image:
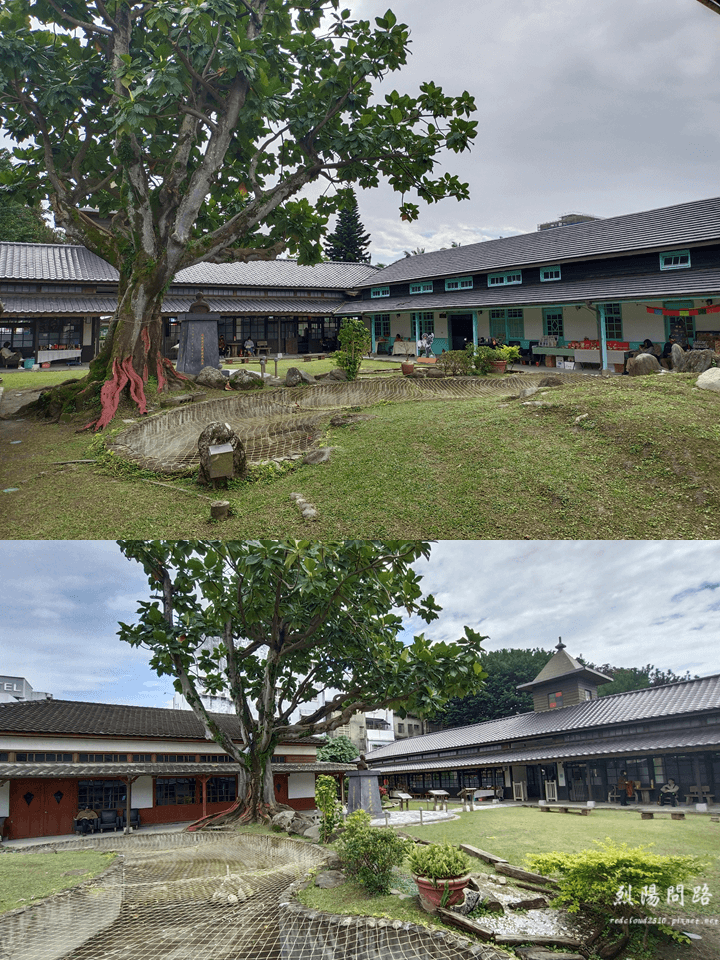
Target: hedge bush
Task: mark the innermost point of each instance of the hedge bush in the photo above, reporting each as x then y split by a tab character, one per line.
369	854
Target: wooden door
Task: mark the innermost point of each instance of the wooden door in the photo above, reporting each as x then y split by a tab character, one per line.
281	788
41	808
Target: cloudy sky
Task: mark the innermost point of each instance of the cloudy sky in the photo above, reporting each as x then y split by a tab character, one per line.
625	603
602	108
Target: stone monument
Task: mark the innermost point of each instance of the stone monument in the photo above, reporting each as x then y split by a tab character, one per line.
364	790
198	345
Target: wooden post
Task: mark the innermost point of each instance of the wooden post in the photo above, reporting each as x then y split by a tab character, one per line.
204	781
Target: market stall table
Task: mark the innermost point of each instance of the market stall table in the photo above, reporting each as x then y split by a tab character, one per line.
404	348
47	356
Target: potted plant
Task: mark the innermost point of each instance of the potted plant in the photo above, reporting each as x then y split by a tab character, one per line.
441	873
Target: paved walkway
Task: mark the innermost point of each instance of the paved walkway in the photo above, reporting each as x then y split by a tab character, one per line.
73	837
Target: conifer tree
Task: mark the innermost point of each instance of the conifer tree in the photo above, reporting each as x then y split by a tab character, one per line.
349	242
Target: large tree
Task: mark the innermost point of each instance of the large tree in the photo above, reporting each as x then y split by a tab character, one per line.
348	242
499	697
295	622
193	125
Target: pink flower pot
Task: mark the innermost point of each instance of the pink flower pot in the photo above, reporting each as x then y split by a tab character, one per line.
434	890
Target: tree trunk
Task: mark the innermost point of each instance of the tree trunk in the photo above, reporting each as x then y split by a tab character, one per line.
260	803
133	354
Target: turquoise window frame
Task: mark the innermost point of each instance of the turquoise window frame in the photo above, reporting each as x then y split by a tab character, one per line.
613	321
423	322
548	270
553	325
426	286
510	278
379	292
381	325
507	323
673	260
688	322
459	283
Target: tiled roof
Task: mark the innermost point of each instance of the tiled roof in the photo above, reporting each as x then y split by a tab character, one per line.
52	261
260	305
673	699
646	287
28	305
277	273
678	225
10	771
74	717
625	746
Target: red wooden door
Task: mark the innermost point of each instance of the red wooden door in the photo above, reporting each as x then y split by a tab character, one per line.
41	808
281	788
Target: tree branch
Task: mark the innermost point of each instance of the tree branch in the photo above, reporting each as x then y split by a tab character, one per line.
90	27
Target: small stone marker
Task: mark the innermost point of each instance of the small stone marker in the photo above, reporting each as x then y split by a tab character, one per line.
220	460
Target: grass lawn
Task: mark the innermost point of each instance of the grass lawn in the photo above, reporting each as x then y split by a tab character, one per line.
515	832
616	458
28	877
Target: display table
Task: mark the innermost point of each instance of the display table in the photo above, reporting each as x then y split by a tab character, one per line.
404	348
47	356
553	351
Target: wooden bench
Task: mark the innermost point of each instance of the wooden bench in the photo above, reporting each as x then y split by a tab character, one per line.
563	808
701	793
650	814
307	357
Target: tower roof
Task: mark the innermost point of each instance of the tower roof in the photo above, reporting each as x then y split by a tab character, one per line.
560	666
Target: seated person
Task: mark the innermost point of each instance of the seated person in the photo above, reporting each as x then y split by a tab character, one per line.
669	793
9	356
222	347
249	346
666	356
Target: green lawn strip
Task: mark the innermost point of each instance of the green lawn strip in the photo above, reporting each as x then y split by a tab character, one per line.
26	878
515	832
351	899
601	461
35	379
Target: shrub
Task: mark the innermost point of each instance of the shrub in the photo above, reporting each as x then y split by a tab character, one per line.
613	876
368	854
456	363
339	750
439	861
483	358
355	341
328	805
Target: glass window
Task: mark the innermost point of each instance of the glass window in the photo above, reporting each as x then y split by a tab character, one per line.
18	337
103	757
174	790
101	794
683	326
555	700
553	322
675	260
459	283
507	324
220	789
176	758
425	287
380	292
549	273
382	325
613	321
504	279
423	323
43	757
59	333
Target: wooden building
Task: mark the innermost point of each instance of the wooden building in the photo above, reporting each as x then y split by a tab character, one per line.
573	739
59	299
61	756
581	292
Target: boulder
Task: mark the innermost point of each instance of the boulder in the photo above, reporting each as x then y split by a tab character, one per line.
531	903
211	377
709	380
642	365
313	833
551	381
329	879
281	821
319	455
698	361
336	374
299	825
678	358
178	399
292	377
215	434
245	380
